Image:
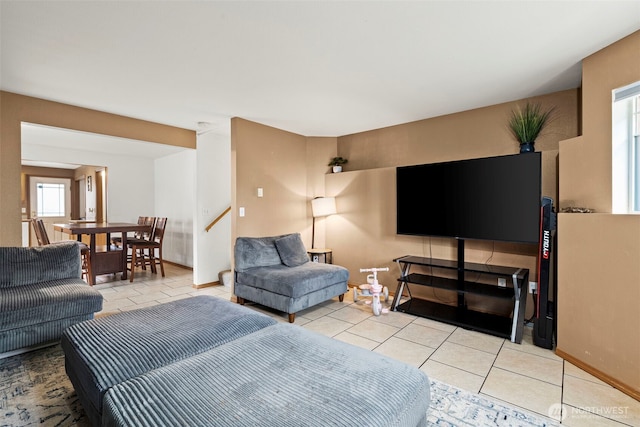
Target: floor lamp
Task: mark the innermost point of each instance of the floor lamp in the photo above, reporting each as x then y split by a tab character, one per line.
321	206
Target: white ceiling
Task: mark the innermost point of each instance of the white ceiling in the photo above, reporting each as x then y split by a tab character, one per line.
39	135
316	68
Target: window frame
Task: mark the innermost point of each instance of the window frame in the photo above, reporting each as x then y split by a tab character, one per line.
626	149
46	194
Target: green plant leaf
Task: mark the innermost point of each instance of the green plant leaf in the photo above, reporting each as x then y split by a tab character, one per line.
337	161
527	123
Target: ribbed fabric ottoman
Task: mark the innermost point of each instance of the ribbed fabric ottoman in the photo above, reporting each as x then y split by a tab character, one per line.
106	351
283	375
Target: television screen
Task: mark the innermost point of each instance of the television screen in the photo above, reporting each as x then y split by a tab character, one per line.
493	198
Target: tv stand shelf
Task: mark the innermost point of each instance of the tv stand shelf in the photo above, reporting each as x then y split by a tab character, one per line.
515	280
467	287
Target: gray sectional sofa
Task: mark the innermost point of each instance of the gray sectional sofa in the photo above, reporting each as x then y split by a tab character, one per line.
276	272
41	294
202	361
111	350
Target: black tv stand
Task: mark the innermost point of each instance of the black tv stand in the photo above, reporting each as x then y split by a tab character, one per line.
510	284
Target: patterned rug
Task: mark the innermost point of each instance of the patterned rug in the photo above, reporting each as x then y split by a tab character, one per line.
35	390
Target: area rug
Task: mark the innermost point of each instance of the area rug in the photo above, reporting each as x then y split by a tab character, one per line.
451	406
35	390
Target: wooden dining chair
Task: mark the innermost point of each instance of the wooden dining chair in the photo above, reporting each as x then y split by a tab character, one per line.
149	221
142	220
85	253
148	252
40	231
141	236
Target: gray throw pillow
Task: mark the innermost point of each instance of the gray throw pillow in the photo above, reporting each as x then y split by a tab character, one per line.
253	252
292	251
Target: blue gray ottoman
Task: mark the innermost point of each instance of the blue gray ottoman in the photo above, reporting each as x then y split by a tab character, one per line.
282	375
106	351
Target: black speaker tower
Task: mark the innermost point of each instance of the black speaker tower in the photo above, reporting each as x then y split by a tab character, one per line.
544	320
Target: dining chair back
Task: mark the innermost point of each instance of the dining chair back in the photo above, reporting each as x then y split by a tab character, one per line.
36	231
40	231
157	234
148	221
138	235
149	252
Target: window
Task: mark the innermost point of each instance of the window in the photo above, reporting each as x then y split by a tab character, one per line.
635	157
626	150
50	199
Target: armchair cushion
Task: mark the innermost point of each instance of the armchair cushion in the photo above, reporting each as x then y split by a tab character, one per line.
291	250
294	281
255	252
24	266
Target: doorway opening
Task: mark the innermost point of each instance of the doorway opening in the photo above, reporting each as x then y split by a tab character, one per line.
60	193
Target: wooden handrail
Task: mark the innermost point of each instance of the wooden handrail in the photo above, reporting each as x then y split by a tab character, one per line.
226	211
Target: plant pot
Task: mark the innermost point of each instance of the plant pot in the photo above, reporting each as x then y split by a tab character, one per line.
527	147
337	169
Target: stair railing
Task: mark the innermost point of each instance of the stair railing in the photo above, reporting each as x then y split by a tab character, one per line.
219	217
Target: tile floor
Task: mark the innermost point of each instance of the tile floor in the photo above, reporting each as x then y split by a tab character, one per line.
520	374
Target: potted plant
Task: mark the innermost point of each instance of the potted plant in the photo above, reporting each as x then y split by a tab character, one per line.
337	163
527	123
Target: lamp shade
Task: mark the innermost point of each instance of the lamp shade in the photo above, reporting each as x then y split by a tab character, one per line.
323	206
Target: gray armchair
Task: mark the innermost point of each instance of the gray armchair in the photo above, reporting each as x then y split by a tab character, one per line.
276	272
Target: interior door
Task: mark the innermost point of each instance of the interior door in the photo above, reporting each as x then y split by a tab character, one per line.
50	199
81	189
101	203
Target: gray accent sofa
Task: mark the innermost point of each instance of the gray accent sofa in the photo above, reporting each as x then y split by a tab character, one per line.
41	294
203	361
276	272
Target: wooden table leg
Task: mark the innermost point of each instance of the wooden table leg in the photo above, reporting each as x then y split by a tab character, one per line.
92	256
125	249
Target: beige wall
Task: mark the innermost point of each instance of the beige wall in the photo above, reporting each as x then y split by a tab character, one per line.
598	254
276	161
15	109
293	170
598	296
363	235
470	134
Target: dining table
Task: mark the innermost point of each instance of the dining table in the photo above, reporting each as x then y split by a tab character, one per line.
107	260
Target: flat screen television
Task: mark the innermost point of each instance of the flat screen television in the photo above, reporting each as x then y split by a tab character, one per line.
492	198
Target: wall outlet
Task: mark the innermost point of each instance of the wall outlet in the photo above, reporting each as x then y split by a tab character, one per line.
533	287
502	282
241	211
316	258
